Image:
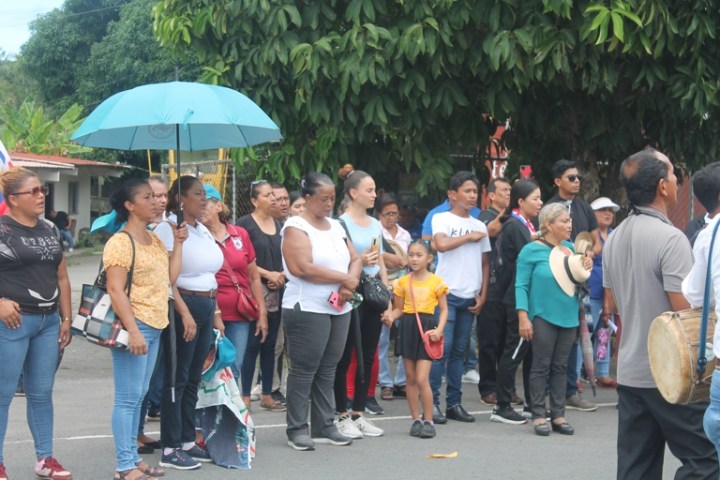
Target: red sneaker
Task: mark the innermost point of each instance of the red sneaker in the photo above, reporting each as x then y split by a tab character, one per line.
3	475
50	469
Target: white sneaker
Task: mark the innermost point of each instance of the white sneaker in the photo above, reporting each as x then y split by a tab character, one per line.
255	393
471	376
346	426
367	428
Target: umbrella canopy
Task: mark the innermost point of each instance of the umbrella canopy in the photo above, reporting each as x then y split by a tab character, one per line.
176	116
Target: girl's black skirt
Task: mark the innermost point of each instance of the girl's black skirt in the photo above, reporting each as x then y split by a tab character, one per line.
409	343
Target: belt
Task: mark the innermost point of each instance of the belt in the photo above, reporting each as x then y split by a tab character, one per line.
193	293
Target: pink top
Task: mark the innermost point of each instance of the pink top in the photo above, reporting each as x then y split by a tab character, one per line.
238	251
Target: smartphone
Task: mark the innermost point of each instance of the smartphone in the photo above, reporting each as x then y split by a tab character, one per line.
375	244
334	301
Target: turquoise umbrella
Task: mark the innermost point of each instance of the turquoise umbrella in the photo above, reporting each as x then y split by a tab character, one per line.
177	116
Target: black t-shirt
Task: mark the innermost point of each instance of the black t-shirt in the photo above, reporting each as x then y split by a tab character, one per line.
29	260
267	247
62	220
582	214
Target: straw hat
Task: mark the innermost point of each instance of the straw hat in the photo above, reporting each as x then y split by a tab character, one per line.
584	242
568	269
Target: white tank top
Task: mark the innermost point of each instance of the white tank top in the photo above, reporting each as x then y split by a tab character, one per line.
329	250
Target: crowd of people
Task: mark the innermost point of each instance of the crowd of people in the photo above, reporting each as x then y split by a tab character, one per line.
295	284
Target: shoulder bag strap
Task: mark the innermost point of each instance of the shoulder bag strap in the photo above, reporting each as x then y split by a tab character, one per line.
229	271
128	283
702	343
417	315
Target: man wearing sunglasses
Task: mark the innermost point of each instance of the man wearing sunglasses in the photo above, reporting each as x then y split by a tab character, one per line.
567	179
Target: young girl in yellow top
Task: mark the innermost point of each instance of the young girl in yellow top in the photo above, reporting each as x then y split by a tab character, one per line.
430	292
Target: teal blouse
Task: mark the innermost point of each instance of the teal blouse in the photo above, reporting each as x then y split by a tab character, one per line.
537	292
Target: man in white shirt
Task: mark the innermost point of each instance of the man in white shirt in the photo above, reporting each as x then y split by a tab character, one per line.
706	186
463	262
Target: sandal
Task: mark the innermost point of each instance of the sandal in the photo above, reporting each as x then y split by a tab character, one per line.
386	393
273	406
124	475
150	470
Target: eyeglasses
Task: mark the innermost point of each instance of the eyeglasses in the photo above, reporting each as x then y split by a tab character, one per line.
390	214
572	178
35	192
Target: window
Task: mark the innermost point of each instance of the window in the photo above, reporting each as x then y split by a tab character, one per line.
73	197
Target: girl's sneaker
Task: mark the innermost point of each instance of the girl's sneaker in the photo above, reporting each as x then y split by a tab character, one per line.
427	430
416	428
49	468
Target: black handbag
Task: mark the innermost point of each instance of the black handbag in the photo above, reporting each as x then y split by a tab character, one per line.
375	294
96	319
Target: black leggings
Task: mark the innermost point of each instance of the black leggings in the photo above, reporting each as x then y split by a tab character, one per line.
370	328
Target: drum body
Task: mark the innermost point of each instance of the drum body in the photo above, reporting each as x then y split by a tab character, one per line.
673	348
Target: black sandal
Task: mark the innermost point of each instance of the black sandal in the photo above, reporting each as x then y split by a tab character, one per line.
150	470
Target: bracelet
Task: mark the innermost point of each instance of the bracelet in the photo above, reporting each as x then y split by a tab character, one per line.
67	319
218	311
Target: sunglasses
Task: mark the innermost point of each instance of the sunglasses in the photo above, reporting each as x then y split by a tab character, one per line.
572	178
258	182
35	192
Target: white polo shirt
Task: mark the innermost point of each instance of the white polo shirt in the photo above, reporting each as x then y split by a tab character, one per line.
201	256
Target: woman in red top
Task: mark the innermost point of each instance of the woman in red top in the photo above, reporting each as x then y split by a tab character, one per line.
239	256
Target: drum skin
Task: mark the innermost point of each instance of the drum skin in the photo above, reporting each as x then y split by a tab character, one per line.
672	348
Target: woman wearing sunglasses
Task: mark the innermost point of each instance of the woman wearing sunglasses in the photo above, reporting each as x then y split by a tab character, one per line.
34	314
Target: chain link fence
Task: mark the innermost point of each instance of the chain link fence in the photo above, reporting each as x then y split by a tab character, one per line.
232	183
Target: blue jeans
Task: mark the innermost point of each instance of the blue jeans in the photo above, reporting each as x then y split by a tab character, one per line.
711	420
33	350
177	419
153	398
471	358
385	377
237	333
266	350
132	377
68	238
457	332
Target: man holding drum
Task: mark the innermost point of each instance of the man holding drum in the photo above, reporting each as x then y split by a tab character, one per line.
644	263
706	186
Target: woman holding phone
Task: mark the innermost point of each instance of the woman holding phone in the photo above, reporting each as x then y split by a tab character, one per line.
365	233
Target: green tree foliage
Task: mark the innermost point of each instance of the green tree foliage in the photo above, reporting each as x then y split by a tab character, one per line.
387	83
15	85
129	56
59	47
29	128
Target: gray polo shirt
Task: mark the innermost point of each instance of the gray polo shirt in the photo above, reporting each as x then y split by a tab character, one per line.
645	257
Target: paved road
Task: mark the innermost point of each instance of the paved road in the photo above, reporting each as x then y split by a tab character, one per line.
83	440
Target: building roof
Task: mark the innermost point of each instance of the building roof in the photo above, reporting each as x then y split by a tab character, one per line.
39	160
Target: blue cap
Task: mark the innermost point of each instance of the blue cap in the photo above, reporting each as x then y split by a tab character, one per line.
211	192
